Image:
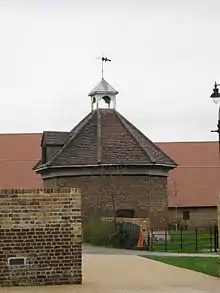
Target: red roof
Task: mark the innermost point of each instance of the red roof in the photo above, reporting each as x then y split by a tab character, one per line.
196	182
18	154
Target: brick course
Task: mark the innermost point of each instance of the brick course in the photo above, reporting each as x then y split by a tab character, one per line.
43	226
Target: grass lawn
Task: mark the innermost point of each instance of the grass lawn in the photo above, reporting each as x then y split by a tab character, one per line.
189	241
205	265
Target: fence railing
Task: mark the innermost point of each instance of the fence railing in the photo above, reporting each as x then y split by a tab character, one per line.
184	241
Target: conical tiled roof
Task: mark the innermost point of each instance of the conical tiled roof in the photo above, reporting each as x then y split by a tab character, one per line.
105	137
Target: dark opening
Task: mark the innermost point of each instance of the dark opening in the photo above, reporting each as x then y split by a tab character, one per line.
186	215
125	213
107	99
16	261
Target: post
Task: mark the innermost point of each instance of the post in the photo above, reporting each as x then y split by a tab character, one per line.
181	239
165	240
210	239
151	240
196	239
216	96
216	238
148	241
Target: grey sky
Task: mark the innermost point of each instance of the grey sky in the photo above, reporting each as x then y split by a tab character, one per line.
165	58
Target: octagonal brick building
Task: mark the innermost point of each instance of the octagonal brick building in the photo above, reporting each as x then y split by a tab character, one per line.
117	168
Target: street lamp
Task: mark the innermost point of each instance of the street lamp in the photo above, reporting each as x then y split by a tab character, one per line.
216	98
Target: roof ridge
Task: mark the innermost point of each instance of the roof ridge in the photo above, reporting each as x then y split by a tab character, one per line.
124	122
81	121
76	130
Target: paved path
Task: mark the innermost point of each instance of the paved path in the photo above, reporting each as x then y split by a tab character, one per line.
104	250
127	273
133	274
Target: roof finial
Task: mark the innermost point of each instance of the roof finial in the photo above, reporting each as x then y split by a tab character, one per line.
103	59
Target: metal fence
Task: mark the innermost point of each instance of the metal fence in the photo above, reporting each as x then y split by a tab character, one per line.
184	241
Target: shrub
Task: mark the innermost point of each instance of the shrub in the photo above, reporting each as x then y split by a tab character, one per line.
101	233
97	232
126	236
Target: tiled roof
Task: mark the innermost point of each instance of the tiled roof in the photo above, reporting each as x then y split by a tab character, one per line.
106	137
18	154
54	137
195	182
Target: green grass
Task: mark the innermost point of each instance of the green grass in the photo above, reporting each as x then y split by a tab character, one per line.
205	265
190	242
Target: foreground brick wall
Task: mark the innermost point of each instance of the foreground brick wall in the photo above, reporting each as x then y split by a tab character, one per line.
146	195
42	227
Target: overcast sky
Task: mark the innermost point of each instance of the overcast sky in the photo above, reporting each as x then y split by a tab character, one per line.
165	59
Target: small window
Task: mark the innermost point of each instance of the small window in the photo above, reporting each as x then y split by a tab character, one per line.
125	213
16	261
186	215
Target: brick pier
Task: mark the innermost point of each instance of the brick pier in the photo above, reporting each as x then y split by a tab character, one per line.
40	237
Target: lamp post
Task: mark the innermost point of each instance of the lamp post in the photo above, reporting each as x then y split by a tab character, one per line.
216	98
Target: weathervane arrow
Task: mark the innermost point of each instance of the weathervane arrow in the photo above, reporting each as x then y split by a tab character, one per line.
104	59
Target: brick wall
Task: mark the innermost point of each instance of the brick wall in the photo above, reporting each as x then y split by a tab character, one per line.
203	217
43	229
146	195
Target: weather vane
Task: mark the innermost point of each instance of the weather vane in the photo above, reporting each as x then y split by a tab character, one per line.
103	59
